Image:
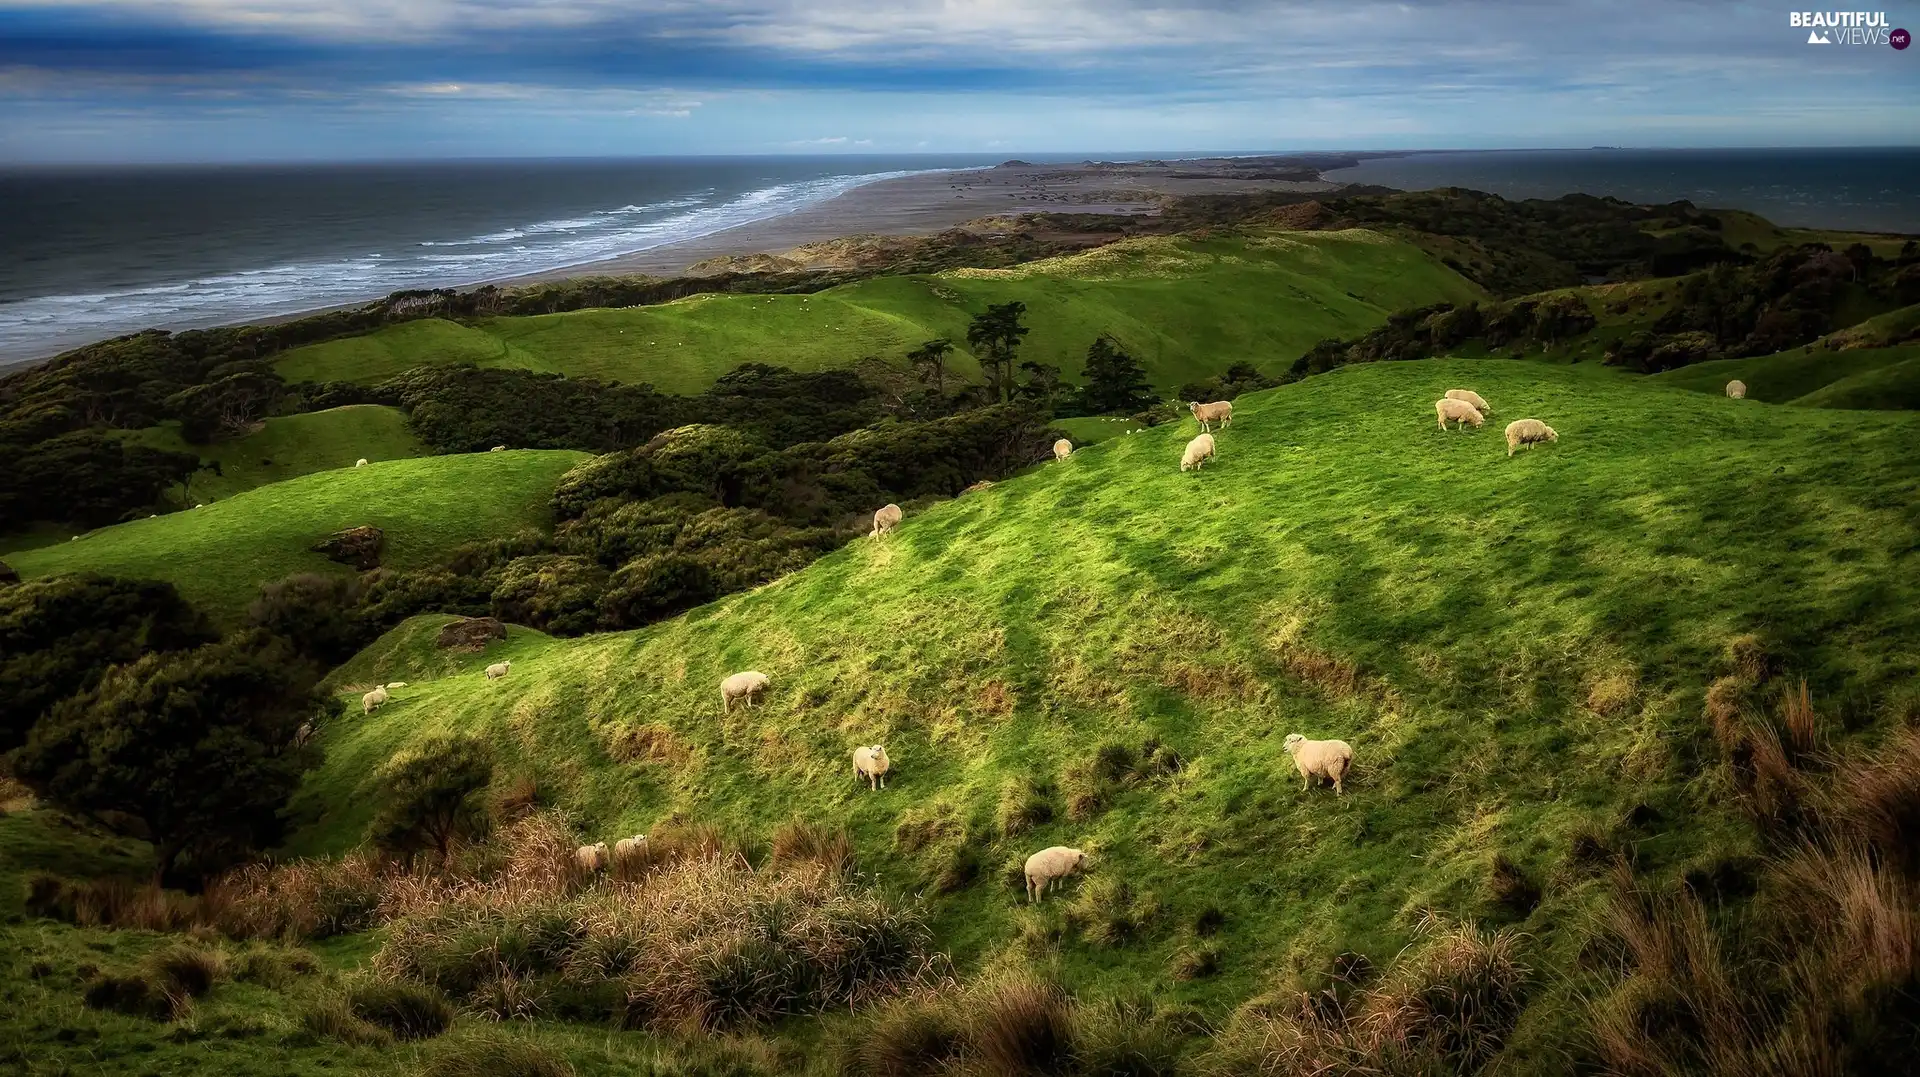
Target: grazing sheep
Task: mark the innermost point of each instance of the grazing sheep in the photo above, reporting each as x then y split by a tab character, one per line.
1737	389
1459	410
592	859
628	849
1062	449
1220	411
396	684
498	670
373	699
362	462
1198	451
742	686
885	519
1470	397
1328	759
498	448
1047	865
1528	432
872	764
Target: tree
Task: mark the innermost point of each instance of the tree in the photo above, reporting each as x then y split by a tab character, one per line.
931	359
228	406
994	337
59	635
89	478
1043	385
431	795
197	746
1116	382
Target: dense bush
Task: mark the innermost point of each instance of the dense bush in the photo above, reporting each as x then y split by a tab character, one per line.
431	796
321	617
86	479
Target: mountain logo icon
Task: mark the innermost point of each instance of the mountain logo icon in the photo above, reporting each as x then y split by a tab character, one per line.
1815	37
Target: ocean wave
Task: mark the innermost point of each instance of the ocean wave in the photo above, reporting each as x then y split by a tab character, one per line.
45	325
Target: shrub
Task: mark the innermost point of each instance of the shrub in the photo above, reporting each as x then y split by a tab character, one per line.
304	899
187	970
1021	1027
1125	1039
332	1019
319	615
1511	890
909	1037
496	1056
802	843
118	903
1023	806
432	795
1109	913
410	1011
134	994
1196	962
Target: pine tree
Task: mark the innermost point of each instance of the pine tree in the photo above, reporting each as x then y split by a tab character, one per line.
1116	382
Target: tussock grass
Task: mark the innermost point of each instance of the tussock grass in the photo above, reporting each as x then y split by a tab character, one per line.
409	1011
497	1056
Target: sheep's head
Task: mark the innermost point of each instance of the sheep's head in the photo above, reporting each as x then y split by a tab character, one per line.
1292	743
1551	436
600	847
1079	860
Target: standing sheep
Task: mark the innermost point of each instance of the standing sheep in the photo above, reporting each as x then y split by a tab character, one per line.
1328	759
1198	452
885	519
872	764
591	859
1048	865
629	853
362	462
373	699
1528	432
745	686
1220	411
1737	389
1062	449
498	670
1470	397
1449	409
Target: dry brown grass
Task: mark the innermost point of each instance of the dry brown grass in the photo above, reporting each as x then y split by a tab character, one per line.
993	699
115	903
1611	693
1335	677
1726	709
647	744
1750	656
1800	724
801	844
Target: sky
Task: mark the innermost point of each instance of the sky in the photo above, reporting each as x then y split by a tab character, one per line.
228	80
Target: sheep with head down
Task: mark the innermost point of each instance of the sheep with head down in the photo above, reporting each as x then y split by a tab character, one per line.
1062	449
747	686
1470	397
1329	759
885	519
1199	451
1737	389
1528	432
1456	411
373	699
1048	866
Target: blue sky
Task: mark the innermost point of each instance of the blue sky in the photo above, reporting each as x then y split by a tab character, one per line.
191	80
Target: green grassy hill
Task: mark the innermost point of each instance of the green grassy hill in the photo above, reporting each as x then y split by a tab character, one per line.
1517	649
1887	378
291	446
1186	307
220	554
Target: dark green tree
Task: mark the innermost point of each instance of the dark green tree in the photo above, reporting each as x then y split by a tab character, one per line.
1042	385
1116	382
930	362
60	634
995	338
431	796
197	746
88	478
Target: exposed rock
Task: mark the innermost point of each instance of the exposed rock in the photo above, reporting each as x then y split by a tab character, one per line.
471	634
7	574
356	546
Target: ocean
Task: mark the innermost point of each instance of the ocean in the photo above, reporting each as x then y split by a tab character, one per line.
92	253
1874	190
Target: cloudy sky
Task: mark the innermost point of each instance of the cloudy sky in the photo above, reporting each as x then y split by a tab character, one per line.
279	79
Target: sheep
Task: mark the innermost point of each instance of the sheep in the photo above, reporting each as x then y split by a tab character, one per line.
362	462
742	686
1528	432
1062	449
1737	389
1047	865
498	448
1198	451
396	684
1220	411
1320	759
872	764
592	859
498	670
1459	410
1470	397
885	519
627	850
373	699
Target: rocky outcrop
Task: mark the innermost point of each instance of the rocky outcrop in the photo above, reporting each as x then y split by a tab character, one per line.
470	634
356	546
7	574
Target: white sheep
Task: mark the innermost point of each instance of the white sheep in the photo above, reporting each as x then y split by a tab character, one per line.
592	859
1198	452
498	670
745	686
362	462
1528	432
1328	759
885	519
373	699
396	684
1062	449
626	850
1737	389
1470	397
1048	865
498	448
872	764
1448	409
1220	411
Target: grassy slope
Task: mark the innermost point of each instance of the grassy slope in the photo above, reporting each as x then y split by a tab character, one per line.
1111	597
1185	307
1813	376
292	446
219	554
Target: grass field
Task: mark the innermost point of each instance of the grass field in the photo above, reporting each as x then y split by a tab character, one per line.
1092	429
1870	378
1517	648
291	446
1185	307
219	555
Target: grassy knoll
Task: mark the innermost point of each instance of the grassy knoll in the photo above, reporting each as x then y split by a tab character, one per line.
1517	648
1814	377
291	446
1091	429
220	554
1186	307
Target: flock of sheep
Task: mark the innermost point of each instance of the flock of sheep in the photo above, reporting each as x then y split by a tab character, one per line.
1464	406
